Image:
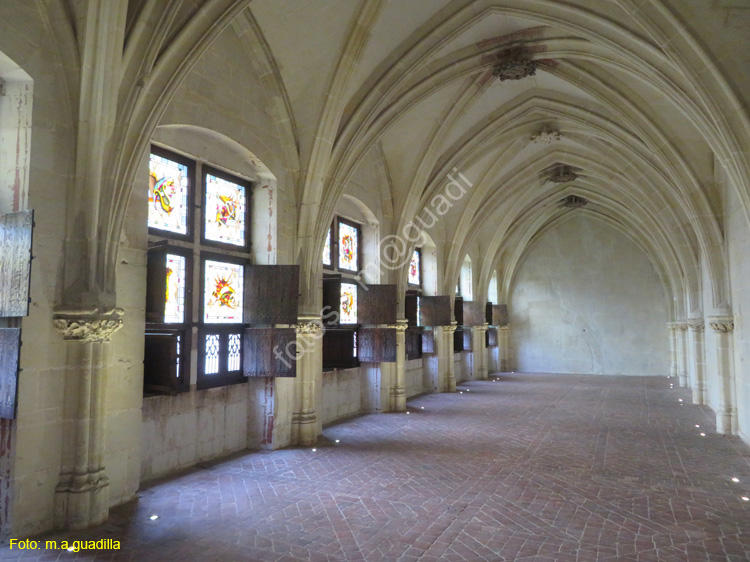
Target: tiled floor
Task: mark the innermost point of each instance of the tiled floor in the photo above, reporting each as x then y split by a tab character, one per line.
533	467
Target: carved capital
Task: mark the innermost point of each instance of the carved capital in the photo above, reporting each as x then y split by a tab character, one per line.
307	327
721	325
679	326
483	328
451	328
88	326
398	327
696	325
504	328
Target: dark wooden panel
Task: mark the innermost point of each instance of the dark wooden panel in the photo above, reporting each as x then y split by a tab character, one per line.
501	315
458	340
156	285
377	345
10	347
497	314
458	310
331	300
15	264
473	313
428	341
160	363
492	337
271	294
338	348
377	304
435	311
467	340
270	352
413	339
410	309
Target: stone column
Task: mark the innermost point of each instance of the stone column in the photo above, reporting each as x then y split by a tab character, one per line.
672	349
309	370
502	341
479	350
726	415
397	398
448	332
82	495
680	329
697	361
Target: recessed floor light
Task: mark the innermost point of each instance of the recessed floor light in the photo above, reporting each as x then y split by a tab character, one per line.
407	413
422	407
735	479
745	499
703	434
314	450
696	425
154	517
338	440
680	400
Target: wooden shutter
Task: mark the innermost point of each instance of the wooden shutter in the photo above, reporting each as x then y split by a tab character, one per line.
413	340
497	314
492	337
271	294
338	348
377	304
428	341
377	345
331	300
458	340
15	263
10	347
410	309
473	313
261	360
458	310
160	363
435	311
156	285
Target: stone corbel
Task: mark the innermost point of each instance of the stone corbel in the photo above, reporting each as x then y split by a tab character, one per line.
721	325
88	326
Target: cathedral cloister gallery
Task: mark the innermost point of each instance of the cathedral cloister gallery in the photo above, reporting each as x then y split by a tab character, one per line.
375	279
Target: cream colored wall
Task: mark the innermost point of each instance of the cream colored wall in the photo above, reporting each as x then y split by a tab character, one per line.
587	300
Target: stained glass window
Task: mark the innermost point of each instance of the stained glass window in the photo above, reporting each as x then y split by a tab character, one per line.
348	247
348	304
212	354
419	312
415	277
225	211
354	345
174	304
327	256
235	351
222	292
168	185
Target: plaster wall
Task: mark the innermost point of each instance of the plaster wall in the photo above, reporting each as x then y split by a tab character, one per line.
586	299
414	378
342	394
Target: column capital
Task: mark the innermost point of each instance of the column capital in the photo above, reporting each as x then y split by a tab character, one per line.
483	328
308	325
680	325
721	324
451	328
401	325
93	325
696	324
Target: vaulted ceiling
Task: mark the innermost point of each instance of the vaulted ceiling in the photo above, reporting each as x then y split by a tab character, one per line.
636	98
